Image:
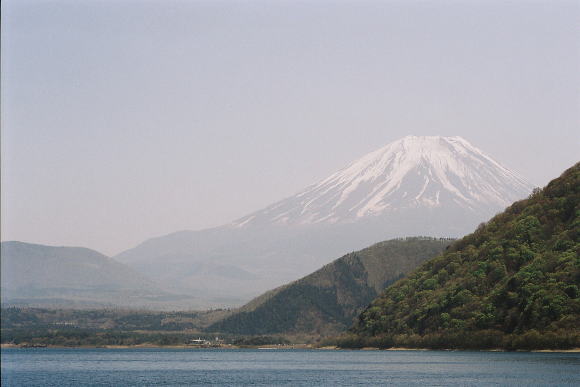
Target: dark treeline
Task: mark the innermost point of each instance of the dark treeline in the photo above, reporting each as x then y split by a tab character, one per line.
95	328
75	337
113	319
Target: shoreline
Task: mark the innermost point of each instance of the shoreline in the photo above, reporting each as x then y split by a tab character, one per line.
272	347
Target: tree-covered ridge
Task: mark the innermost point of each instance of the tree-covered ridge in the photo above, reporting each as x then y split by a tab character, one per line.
513	283
328	300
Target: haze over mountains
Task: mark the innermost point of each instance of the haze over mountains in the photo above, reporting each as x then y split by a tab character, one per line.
435	186
74	277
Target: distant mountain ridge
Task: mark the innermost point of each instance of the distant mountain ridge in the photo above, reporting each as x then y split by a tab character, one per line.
33	274
326	301
436	186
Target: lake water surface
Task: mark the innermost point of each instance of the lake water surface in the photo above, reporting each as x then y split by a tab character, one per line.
185	367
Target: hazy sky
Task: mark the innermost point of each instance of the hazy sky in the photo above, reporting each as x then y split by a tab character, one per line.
124	120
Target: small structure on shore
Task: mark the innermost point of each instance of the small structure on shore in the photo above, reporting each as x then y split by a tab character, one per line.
203	343
199	342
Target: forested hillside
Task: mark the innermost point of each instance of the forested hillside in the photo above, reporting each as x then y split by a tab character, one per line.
513	283
326	301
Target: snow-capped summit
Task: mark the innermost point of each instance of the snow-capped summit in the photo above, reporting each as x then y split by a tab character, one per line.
411	173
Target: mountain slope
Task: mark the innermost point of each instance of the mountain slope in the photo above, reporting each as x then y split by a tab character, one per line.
326	301
47	275
413	172
437	186
513	283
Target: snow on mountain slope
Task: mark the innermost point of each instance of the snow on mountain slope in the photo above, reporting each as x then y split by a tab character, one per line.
410	173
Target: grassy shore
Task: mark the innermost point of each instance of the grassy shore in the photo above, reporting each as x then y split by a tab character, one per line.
272	347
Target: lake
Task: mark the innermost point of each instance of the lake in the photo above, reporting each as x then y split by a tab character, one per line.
182	367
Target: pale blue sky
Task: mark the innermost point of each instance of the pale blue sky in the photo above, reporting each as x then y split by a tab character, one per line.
123	120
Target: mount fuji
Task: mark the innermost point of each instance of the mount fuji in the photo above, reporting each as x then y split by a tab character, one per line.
413	172
434	186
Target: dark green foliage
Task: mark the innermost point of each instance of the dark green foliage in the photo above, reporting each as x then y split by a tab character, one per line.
74	337
513	283
68	327
123	320
328	300
260	340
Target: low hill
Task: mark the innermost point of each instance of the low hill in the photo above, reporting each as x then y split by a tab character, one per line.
326	301
513	283
71	277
